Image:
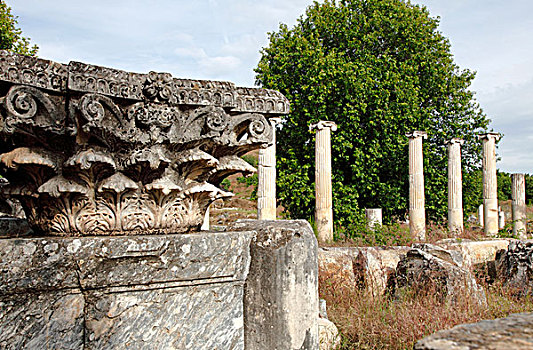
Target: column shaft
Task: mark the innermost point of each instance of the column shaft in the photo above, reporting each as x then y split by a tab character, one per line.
519	205
455	187
323	191
417	211
490	184
266	184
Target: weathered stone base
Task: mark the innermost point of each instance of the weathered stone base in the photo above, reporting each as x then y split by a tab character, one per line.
281	292
136	292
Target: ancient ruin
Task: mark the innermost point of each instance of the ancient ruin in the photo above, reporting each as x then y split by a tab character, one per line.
490	184
323	195
417	209
266	172
111	169
518	193
94	150
455	186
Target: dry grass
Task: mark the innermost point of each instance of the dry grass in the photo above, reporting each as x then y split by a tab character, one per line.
381	322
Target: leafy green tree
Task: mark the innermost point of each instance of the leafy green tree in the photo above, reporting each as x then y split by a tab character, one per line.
379	69
10	36
504	186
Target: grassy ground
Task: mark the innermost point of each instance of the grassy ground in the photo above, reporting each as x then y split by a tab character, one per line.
380	322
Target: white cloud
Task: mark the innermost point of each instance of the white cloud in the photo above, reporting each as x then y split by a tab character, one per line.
214	39
220	65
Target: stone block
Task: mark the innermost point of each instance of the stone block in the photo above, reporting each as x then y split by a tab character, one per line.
422	271
365	267
514	266
328	334
513	332
135	292
281	305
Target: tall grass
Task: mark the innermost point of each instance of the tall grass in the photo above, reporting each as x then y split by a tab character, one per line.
381	322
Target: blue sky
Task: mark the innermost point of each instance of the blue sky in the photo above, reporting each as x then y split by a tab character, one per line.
221	39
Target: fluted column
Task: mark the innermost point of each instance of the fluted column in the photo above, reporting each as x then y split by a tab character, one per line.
455	186
323	210
519	205
417	210
490	183
266	173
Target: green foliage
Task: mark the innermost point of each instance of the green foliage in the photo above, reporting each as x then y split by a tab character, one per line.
253	161
251	180
529	189
379	69
504	186
226	184
10	36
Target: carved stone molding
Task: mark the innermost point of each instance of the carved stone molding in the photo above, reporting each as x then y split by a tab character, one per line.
92	150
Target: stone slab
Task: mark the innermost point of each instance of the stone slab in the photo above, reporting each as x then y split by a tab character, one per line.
513	332
138	292
476	252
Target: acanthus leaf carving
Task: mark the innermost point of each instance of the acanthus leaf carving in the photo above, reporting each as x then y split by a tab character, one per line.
138	153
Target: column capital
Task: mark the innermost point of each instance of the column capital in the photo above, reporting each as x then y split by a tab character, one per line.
455	140
490	135
416	134
322	125
274	121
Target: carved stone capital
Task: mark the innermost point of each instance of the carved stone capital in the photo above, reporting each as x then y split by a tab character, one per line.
490	135
274	121
454	141
323	124
115	152
416	134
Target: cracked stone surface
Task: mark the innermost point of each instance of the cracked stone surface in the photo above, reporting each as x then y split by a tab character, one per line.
143	292
513	332
281	294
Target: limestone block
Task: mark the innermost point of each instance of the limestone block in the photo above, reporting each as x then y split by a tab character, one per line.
281	294
365	267
329	338
514	266
419	269
475	253
135	292
513	332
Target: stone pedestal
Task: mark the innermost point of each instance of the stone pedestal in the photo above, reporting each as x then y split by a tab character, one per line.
281	304
374	218
490	183
323	194
417	211
455	187
146	292
266	172
519	205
